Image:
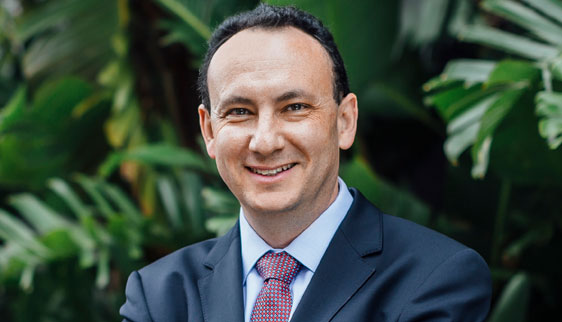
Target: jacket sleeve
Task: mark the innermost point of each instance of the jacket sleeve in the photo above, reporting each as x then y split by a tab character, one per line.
458	289
135	308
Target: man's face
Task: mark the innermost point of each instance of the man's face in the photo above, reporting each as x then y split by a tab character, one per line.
274	127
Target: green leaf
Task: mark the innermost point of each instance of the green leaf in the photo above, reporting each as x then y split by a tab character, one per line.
102	277
26	280
556	68
220	225
469	70
464	128
177	31
91	187
49	15
121	125
59	31
64	191
191	186
549	108
439	82
158	154
220	201
48	138
14	258
538	235
526	18
61	243
508	42
457	143
454	101
460	17
15	231
471	115
551	8
428	18
513	303
481	157
187	16
490	120
169	196
520	154
57	100
122	202
508	71
14	109
549	104
39	215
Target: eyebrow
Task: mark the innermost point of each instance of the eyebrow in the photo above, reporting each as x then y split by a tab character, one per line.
289	95
233	100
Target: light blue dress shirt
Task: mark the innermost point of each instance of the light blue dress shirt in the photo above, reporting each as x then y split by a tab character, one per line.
308	248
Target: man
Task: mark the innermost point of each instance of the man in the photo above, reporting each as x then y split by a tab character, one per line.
276	110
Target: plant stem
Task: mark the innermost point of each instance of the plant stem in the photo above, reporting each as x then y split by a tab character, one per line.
499	227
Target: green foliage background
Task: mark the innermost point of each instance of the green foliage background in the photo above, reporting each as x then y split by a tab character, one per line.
102	168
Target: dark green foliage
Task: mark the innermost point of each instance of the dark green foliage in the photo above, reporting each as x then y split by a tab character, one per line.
99	94
508	111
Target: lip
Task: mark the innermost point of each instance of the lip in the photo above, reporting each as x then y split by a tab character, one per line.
264	168
272	177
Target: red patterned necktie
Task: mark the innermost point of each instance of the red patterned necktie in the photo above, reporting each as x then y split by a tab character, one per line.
274	300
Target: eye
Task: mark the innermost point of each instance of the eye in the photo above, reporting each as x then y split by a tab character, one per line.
296	107
238	111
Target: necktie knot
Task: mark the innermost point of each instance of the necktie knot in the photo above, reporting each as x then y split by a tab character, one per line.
280	266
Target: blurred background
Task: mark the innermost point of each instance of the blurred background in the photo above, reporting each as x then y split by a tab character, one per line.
102	168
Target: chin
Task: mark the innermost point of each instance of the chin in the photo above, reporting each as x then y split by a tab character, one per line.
278	205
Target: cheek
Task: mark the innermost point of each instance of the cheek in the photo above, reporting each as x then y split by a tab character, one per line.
319	138
229	145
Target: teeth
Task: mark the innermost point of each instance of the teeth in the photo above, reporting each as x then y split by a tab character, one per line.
273	171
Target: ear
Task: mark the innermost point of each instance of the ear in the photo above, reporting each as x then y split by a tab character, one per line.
207	130
347	121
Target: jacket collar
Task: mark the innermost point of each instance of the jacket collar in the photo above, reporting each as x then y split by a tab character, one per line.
221	290
347	264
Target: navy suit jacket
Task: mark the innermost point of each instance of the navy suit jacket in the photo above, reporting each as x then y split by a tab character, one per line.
377	268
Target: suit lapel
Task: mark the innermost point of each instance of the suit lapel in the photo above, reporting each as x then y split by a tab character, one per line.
345	266
221	290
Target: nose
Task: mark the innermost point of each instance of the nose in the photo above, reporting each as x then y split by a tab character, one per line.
266	137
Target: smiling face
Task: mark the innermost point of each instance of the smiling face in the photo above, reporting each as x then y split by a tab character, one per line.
274	127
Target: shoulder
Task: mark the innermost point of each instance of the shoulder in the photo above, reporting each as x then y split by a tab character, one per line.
427	252
188	260
159	290
432	275
397	235
410	237
168	288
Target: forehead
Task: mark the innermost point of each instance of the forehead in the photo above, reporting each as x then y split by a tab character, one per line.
259	59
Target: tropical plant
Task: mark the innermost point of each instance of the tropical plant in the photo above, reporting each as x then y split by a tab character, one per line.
490	89
88	234
126	113
500	107
69	236
60	130
75	244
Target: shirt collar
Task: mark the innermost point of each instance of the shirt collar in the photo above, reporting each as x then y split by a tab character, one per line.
309	247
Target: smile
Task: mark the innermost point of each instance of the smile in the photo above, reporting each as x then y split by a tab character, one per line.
272	172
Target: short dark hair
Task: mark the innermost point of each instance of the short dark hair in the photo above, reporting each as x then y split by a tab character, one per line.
272	17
